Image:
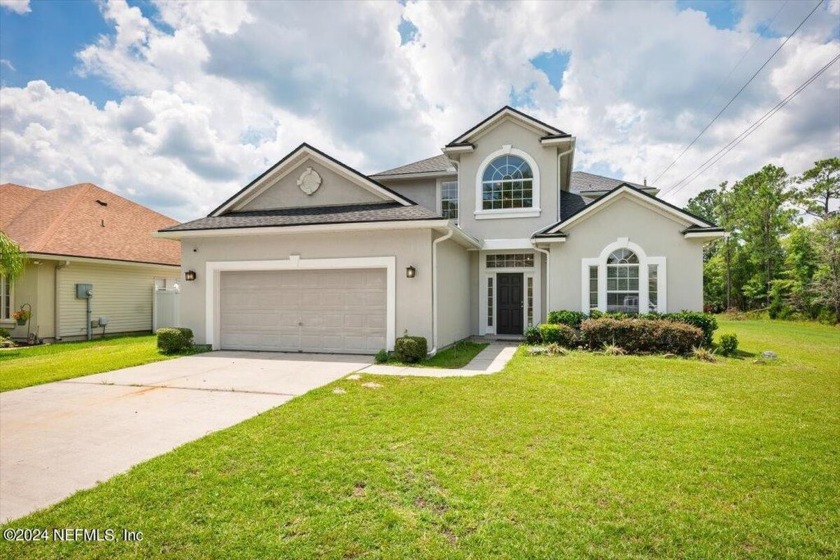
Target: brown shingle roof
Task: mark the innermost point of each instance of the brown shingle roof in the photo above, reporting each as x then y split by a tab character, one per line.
85	221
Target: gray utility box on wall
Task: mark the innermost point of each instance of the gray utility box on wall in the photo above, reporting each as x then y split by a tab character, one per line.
84	291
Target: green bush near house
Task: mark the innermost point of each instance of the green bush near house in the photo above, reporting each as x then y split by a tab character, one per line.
563	335
641	336
410	349
706	322
174	340
532	335
381	356
565	317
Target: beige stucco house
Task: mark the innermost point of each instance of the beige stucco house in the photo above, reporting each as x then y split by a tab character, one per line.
485	238
83	234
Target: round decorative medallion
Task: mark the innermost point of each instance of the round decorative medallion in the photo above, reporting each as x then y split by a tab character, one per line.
309	181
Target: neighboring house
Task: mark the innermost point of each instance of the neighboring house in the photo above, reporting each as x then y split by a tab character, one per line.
483	239
83	234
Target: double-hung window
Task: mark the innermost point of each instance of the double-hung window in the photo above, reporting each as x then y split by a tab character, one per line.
623	281
449	200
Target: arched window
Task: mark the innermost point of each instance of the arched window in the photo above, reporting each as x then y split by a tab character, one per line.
623	281
507	182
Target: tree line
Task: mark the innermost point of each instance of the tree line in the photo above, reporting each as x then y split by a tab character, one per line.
782	248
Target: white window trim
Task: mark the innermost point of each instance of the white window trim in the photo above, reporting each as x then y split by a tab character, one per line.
484	273
11	301
212	295
644	261
482	214
439	196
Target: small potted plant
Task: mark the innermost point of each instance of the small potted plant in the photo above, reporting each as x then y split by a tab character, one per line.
21	316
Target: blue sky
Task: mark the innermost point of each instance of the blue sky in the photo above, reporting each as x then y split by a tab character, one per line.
206	95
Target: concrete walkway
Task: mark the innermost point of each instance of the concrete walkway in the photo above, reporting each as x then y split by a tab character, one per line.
58	438
490	360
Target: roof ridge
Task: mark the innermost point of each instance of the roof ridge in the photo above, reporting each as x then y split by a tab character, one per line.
50	231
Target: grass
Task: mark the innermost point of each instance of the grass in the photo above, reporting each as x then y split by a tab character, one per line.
456	356
583	455
33	365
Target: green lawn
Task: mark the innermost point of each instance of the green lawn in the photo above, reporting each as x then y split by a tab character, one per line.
456	356
556	457
33	365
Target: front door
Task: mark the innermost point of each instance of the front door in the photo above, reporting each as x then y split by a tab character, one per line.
509	303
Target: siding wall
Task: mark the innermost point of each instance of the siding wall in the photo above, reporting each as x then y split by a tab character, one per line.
454	290
123	293
657	234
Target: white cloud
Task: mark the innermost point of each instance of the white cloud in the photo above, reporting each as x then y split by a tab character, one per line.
16	6
216	92
7	63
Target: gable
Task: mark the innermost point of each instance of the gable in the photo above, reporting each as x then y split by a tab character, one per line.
545	131
335	184
333	190
628	193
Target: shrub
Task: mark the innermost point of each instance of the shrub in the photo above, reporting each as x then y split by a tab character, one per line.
639	336
728	344
563	335
703	321
703	354
381	356
563	317
410	349
555	349
4	333
532	335
613	350
173	341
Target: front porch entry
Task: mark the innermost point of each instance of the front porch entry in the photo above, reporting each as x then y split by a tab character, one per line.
510	292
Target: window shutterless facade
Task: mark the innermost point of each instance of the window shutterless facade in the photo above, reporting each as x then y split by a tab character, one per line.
623	281
507	182
449	199
5	298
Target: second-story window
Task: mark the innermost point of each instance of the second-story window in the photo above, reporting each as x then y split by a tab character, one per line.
449	199
507	183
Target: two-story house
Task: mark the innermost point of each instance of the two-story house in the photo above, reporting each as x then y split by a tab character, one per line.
485	238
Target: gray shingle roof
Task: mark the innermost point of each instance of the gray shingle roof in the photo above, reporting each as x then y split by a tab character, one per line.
435	164
583	182
345	214
570	203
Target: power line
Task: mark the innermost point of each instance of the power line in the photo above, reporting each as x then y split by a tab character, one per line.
758	37
720	154
696	138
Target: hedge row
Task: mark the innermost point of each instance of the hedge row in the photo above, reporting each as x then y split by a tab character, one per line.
704	321
641	336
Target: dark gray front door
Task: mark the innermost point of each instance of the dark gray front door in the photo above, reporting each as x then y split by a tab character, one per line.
509	303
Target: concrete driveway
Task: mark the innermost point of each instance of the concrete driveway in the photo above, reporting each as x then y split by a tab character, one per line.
62	437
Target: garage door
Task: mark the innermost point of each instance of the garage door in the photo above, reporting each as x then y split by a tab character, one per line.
338	311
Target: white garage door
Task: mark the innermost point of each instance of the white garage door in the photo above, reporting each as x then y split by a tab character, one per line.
338	311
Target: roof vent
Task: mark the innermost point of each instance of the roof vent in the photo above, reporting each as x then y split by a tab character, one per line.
101	202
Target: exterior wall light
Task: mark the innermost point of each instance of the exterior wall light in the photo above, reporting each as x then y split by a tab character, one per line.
189	275
410	272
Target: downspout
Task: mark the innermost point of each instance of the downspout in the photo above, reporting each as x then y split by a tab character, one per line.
57	304
449	234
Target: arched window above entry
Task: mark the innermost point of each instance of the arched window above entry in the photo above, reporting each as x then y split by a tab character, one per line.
507	182
507	185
